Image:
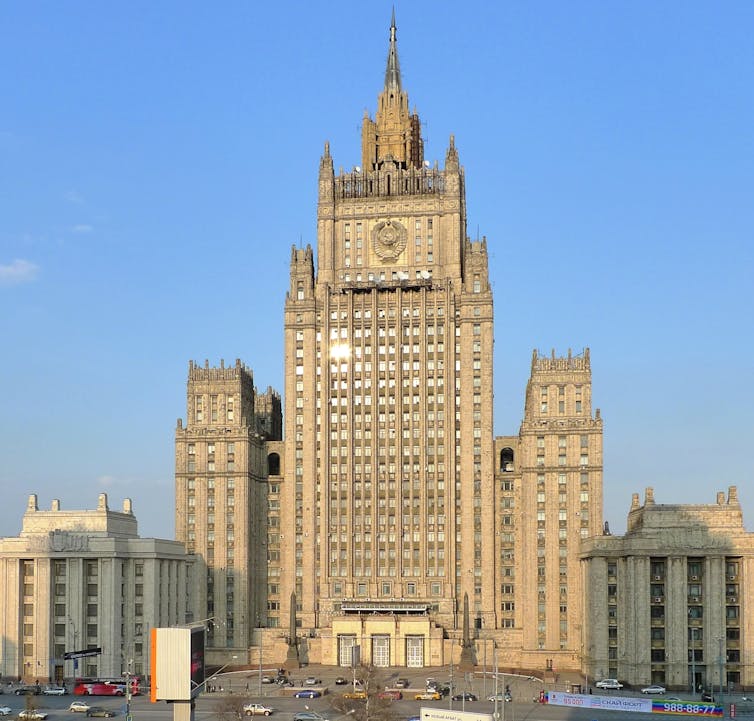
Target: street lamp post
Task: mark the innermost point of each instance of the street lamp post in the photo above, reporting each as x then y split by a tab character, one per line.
693	661
75	661
721	659
259	630
128	689
218	672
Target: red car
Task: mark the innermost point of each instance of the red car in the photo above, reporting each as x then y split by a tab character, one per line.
391	693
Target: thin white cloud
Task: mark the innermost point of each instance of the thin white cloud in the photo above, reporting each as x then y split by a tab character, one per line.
18	272
107	481
82	228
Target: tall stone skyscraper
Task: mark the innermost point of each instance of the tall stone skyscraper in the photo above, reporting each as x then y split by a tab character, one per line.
387	490
221	498
389	517
549	478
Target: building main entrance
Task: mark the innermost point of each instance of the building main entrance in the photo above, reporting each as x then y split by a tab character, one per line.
381	651
415	651
346	645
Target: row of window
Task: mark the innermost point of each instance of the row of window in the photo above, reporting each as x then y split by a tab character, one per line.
211	483
219	406
390	312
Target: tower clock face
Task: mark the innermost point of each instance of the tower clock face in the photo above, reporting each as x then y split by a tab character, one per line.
389	239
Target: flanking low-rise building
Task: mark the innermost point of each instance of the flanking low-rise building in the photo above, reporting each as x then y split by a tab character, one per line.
667	602
77	580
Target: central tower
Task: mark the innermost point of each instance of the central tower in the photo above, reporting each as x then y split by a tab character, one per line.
386	496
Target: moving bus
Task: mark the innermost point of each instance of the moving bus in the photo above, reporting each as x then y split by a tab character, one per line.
105	686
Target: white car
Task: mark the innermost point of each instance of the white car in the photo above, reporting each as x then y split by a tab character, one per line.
32	714
256	709
611	683
654	690
79	707
54	691
5	711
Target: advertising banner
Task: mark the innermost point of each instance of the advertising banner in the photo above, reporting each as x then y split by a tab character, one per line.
629	703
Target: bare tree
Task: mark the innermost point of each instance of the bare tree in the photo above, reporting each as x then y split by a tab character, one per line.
230	708
371	681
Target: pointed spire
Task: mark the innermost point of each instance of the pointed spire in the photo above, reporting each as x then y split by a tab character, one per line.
393	70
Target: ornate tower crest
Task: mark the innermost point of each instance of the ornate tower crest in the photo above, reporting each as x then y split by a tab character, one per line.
389	239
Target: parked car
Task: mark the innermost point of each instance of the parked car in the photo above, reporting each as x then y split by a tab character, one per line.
609	683
312	681
654	689
496	697
28	690
340	681
256	709
428	696
32	714
465	696
5	711
79	707
390	693
402	683
268	679
100	711
309	716
307	693
54	691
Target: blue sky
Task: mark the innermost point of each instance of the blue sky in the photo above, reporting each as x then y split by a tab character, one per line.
159	159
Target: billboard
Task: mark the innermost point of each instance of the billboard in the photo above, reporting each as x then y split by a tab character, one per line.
444	714
177	663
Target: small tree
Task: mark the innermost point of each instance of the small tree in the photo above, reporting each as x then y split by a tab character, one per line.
230	708
371	681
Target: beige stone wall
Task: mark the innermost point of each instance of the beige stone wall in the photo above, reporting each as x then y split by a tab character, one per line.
388	403
550	499
67	590
221	499
675	583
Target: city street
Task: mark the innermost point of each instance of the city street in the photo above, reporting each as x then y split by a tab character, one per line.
236	684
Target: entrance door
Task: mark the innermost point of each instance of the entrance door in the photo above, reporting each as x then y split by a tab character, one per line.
415	651
346	645
381	651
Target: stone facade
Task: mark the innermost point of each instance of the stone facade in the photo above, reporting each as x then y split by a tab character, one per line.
388	474
74	580
221	499
387	488
667	601
549	479
390	518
